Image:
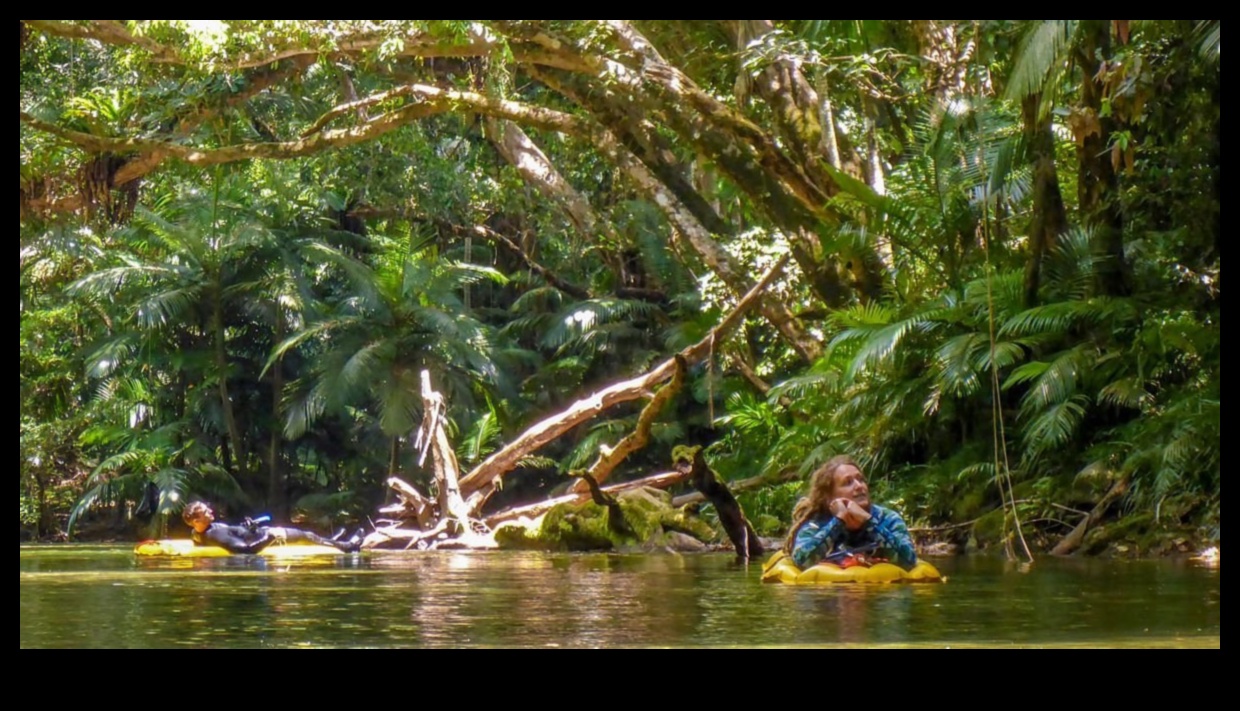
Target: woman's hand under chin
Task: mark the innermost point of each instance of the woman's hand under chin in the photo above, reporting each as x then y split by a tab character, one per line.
850	513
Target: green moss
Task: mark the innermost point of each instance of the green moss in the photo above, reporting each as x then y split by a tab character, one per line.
648	515
767	526
517	537
683	453
1141	535
969	505
689	524
988	530
582	527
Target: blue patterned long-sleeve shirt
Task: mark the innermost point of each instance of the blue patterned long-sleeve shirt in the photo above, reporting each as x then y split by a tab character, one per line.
823	535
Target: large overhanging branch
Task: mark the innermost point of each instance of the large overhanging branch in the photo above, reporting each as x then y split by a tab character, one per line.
481	480
537	169
677	88
109	32
137	167
202	157
430	100
650	173
777	184
793	100
479	42
612	457
738	145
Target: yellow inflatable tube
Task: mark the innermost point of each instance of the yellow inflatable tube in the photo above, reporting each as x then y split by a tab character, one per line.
184	548
781	569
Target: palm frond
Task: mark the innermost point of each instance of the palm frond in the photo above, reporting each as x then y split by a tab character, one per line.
956	362
540	299
1210	32
112	354
1056	425
1127	392
1005	291
105	283
982	471
587	450
481	439
462	274
803	386
1072	266
1042	51
1005	354
1058	317
399	410
1060	380
167	307
583	322
310	332
882	345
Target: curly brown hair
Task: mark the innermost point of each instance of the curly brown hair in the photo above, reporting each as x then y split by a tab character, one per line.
821	491
194	511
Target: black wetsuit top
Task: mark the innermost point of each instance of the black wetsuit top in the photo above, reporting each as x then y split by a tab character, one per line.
234	539
250	540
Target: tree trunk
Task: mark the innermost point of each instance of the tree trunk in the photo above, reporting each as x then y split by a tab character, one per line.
753	159
830	141
394	457
796	105
875	174
946	55
275	480
1073	540
1098	183
798	114
649	164
537	169
1050	217
230	417
689	461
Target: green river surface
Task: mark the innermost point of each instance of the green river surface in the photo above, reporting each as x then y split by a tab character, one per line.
106	597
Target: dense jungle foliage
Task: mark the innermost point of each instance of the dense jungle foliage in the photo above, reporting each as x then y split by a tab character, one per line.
242	242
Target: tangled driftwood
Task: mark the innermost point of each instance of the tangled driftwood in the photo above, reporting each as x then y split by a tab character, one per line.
453	516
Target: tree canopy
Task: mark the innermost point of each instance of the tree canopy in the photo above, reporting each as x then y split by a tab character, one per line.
243	241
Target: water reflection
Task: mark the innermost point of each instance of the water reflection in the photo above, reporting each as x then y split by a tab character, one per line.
105	597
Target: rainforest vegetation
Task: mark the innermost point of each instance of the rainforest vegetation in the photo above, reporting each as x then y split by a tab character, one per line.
991	250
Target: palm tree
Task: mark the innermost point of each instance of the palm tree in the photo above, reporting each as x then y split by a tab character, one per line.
367	348
180	282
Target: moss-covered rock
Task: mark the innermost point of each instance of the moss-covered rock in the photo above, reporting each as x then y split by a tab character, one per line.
1141	535
968	505
987	531
648	518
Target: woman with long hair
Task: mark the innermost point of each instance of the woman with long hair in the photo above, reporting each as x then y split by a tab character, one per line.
838	523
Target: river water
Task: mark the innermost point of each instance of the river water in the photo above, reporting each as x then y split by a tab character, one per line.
105	597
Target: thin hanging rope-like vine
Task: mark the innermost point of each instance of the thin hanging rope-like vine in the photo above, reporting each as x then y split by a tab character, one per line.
710	382
1003	476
